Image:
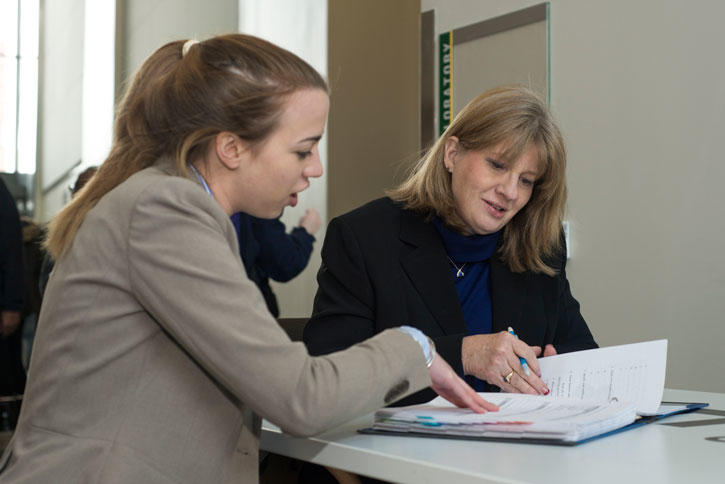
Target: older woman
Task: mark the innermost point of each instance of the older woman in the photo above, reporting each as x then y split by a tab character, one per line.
467	247
156	357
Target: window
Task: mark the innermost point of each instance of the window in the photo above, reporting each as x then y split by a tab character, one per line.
19	32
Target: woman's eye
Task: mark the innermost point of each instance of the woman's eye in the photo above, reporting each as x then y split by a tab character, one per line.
495	164
303	154
527	182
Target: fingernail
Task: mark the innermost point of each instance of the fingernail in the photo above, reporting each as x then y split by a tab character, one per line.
546	391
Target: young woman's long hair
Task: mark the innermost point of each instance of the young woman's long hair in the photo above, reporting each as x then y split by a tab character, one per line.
516	116
182	96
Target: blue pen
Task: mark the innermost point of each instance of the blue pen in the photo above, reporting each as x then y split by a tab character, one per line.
524	365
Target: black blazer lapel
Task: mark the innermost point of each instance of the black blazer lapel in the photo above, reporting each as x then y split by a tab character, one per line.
423	259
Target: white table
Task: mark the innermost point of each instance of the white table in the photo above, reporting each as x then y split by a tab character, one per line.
686	448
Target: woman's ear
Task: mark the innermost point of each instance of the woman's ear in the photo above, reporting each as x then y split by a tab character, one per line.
450	152
230	149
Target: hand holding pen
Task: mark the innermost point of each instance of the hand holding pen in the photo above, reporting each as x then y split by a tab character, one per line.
522	360
497	359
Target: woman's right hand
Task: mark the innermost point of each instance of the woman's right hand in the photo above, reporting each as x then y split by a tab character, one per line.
447	384
493	357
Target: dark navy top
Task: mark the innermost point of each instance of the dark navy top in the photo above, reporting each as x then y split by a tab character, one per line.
269	252
469	256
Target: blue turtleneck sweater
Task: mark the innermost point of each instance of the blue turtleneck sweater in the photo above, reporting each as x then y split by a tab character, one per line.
469	257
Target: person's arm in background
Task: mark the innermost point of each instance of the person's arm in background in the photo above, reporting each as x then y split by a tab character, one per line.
281	255
12	284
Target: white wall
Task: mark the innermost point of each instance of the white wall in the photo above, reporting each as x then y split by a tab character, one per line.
60	100
638	89
99	58
149	25
301	27
76	87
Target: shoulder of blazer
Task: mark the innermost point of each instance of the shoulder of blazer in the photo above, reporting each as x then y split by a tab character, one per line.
385	216
557	261
154	183
373	222
140	182
376	211
153	187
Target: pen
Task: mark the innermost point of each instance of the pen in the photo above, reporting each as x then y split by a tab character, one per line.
524	365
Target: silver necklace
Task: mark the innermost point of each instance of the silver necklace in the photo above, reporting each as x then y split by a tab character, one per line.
459	270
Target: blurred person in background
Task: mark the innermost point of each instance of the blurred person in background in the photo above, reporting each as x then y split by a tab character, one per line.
12	289
269	252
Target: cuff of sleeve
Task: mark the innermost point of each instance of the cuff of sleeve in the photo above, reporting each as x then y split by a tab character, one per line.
304	234
426	344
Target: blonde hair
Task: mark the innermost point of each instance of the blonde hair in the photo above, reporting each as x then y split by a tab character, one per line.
182	96
517	117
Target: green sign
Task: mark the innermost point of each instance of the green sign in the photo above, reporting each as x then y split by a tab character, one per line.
445	88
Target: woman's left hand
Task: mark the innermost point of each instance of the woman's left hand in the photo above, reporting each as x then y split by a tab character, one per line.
549	350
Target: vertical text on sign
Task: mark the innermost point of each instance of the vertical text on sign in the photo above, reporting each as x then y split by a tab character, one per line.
445	87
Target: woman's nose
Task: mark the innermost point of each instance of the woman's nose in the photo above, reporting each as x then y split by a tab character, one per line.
509	187
314	167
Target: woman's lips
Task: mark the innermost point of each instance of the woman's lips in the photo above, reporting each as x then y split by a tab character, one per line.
293	198
495	210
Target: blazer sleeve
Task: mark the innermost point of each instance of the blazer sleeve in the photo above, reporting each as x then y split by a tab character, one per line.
344	309
572	332
185	274
281	255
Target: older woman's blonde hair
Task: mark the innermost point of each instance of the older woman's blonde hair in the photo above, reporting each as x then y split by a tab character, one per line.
517	118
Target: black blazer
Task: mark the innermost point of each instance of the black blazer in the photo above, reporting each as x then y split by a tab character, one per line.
383	266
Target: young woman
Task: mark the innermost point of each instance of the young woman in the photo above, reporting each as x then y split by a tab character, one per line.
156	357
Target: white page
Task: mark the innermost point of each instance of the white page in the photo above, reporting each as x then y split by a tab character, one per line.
627	373
513	408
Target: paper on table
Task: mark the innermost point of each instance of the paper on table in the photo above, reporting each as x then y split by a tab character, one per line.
519	416
593	392
627	373
513	408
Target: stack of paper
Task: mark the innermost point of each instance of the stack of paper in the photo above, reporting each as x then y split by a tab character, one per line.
593	392
519	416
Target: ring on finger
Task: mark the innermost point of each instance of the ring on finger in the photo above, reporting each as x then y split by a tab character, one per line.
507	378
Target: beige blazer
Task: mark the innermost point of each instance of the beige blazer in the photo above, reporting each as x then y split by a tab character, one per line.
155	357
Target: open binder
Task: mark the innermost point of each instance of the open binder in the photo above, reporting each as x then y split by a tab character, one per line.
593	422
594	393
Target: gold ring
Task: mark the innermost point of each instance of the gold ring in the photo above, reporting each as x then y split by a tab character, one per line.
507	378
